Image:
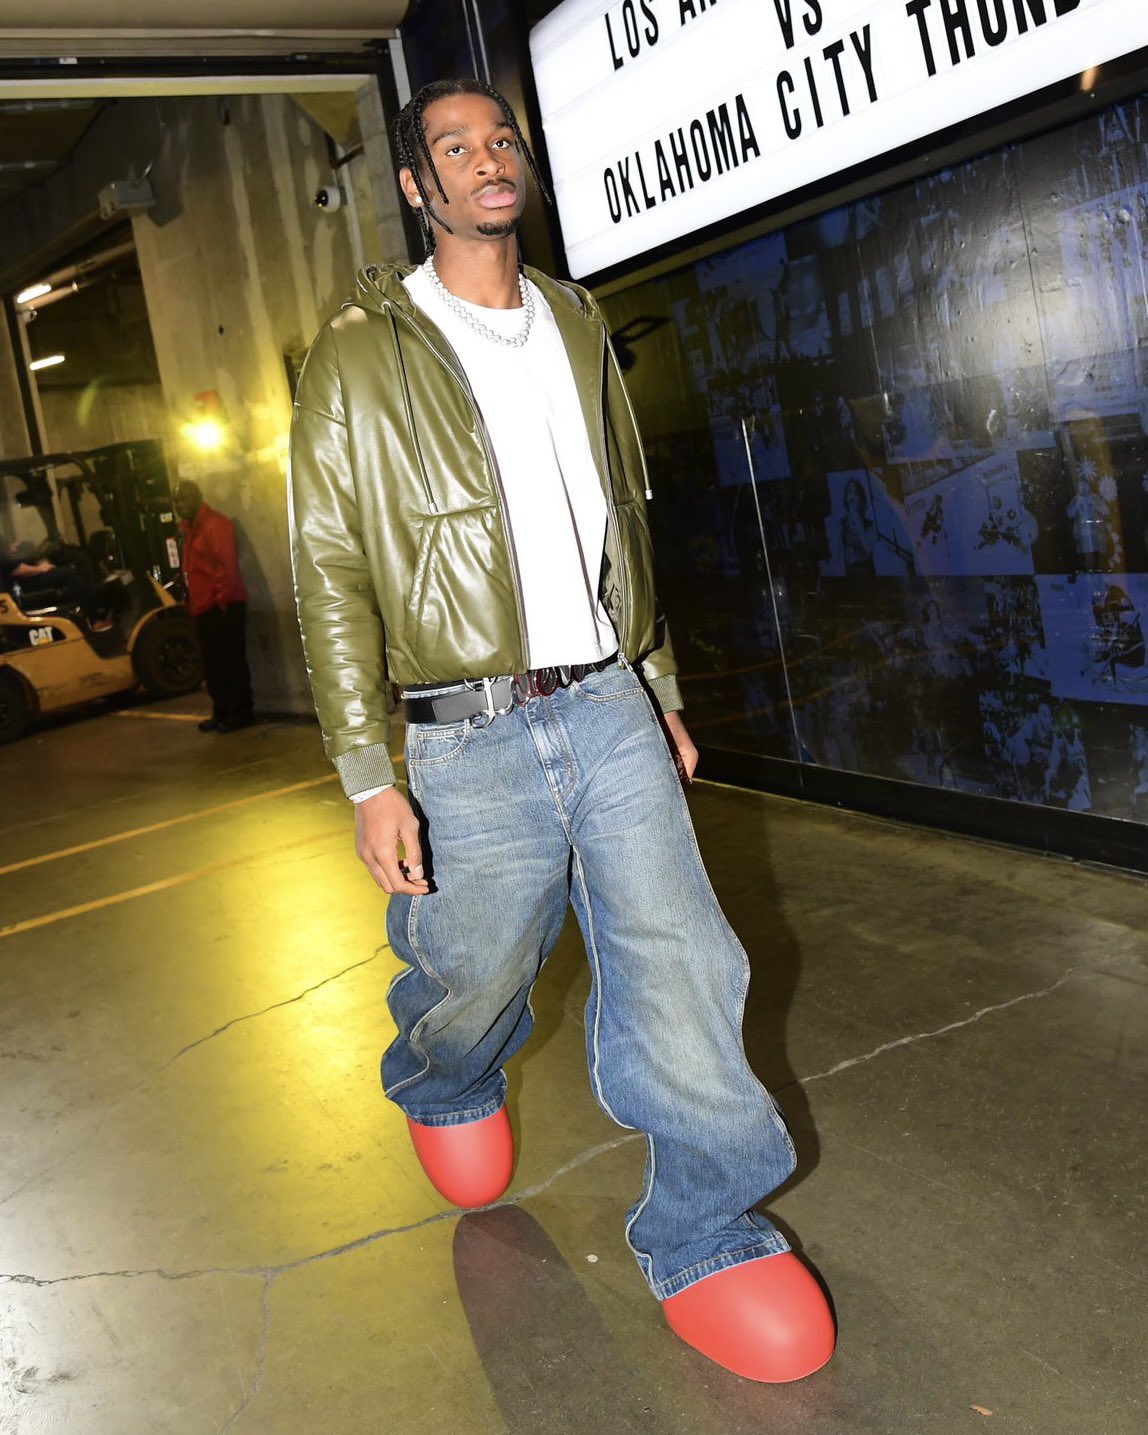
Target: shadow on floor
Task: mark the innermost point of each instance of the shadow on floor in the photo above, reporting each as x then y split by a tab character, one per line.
553	1364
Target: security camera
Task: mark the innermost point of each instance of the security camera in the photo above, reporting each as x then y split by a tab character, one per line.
125	196
330	198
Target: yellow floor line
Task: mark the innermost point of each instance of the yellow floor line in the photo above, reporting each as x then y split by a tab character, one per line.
100	902
168	822
173	822
163	717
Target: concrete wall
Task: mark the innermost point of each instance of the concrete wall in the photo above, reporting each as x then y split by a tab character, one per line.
13	438
94	415
238	278
239	270
13	429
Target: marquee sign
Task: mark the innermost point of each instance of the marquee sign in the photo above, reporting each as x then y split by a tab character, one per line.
664	116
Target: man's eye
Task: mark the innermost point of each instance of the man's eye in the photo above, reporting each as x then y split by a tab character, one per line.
503	144
454	149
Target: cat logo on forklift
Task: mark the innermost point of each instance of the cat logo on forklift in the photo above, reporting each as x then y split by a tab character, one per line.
36	636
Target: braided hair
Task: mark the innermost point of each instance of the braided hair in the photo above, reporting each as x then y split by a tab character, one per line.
413	153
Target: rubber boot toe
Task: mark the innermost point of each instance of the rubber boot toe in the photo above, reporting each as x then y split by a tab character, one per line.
469	1164
766	1319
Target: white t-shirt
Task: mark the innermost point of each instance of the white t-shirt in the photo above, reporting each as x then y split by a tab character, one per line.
555	507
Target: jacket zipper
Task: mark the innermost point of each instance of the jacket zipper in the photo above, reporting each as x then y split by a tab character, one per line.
611	511
431	504
634	424
460	378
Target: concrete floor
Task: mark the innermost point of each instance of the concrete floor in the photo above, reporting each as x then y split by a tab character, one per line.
210	1220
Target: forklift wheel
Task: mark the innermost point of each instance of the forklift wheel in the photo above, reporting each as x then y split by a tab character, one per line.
15	708
166	658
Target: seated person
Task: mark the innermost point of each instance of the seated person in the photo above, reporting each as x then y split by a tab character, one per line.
32	576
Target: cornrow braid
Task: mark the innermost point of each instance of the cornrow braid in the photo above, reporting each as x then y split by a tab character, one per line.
413	153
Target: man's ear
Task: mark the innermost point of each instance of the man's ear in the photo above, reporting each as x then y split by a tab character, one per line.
409	187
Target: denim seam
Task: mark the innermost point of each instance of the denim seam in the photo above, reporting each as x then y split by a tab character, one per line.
413	1039
645	1259
675	1284
556	796
611	697
463	1118
413	760
775	1114
636	690
570	761
556	725
592	953
733	936
397	978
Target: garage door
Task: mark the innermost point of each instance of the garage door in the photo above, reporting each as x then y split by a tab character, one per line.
128	27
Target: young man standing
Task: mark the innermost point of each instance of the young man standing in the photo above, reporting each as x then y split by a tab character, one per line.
468	512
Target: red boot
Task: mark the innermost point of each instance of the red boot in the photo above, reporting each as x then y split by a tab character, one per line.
766	1319
469	1164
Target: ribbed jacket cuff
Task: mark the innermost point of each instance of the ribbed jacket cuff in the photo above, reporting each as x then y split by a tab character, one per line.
365	767
666	693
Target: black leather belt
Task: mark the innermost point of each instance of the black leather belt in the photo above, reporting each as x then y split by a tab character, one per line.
492	697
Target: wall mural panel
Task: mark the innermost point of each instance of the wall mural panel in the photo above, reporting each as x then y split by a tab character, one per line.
900	461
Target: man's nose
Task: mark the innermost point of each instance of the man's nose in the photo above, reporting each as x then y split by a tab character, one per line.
491	161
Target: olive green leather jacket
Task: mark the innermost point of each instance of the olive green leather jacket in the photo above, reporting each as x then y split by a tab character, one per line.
404	566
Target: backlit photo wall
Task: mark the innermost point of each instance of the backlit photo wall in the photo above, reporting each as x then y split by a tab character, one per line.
900	467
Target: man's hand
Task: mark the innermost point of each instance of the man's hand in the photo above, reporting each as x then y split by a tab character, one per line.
383	822
681	745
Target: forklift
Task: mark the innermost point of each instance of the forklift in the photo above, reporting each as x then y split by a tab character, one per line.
122	537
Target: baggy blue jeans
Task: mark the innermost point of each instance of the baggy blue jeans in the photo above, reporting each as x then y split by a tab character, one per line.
575	797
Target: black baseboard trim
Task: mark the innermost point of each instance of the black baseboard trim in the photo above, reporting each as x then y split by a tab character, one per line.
1082	836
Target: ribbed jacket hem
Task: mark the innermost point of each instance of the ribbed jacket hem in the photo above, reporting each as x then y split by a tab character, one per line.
667	693
365	767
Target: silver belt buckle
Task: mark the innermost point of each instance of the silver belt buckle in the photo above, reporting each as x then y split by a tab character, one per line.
484	719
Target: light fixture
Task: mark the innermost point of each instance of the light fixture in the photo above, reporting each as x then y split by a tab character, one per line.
33	291
205	434
49	363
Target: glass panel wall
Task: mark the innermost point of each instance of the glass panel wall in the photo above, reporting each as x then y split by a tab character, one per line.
901	476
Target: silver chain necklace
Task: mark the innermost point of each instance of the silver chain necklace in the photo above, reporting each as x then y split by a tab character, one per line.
463	312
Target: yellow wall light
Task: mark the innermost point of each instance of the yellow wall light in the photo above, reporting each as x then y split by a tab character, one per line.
34	291
47	363
205	434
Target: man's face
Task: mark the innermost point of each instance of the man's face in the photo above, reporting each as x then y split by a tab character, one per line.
478	164
186	500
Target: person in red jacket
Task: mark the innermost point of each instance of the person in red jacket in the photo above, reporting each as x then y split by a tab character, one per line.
217	600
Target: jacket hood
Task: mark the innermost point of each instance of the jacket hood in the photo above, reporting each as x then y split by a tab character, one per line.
379	285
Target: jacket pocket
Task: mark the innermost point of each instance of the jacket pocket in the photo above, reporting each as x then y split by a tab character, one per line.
461	615
609	686
431	744
637	556
427	540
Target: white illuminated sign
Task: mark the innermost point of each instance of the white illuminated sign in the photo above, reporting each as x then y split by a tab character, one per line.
664	116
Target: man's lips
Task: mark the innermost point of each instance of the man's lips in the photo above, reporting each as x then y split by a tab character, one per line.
497	197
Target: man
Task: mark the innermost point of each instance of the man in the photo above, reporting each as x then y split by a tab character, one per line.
217	601
468	521
32	577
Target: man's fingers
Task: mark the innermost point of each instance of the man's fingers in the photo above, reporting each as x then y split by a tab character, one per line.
388	873
396	879
392	873
412	850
